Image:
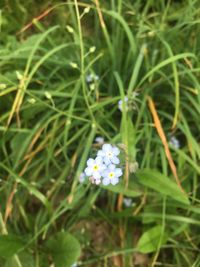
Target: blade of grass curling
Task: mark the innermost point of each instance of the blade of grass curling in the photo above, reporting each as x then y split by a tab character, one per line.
83	160
164	141
164	63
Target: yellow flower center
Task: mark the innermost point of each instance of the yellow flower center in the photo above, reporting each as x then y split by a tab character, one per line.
111	174
95	167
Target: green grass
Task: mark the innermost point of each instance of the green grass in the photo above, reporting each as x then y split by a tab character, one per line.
50	116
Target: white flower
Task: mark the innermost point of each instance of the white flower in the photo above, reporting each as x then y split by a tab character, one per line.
111	175
127	202
74	265
99	140
109	154
174	142
95	167
92	78
82	177
120	104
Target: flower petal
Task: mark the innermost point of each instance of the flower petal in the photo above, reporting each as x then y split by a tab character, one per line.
115	181
90	162
100	153
106	181
107	147
96	175
116	151
97	181
115	160
98	160
88	171
102	167
118	172
106	160
104	173
82	177
111	167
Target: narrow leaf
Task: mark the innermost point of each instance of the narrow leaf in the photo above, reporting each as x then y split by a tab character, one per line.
162	184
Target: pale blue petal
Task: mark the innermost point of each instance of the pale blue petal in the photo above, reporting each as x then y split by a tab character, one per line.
116	151
111	167
115	160
103	167
106	160
96	175
100	153
99	160
82	177
118	172
104	173
106	147
88	171
106	181
115	181
90	162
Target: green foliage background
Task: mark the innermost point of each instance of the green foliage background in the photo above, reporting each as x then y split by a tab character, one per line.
50	116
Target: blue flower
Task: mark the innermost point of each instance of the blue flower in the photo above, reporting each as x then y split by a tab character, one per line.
95	167
127	202
99	140
111	175
82	177
109	154
90	78
120	104
174	142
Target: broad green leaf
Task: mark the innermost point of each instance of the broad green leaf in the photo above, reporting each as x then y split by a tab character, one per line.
151	240
10	245
13	262
130	191
26	259
162	184
64	249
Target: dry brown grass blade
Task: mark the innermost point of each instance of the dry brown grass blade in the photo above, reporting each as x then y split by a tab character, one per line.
41	16
9	203
100	15
164	141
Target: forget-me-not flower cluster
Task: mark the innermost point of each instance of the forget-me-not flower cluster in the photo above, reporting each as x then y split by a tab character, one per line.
104	168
